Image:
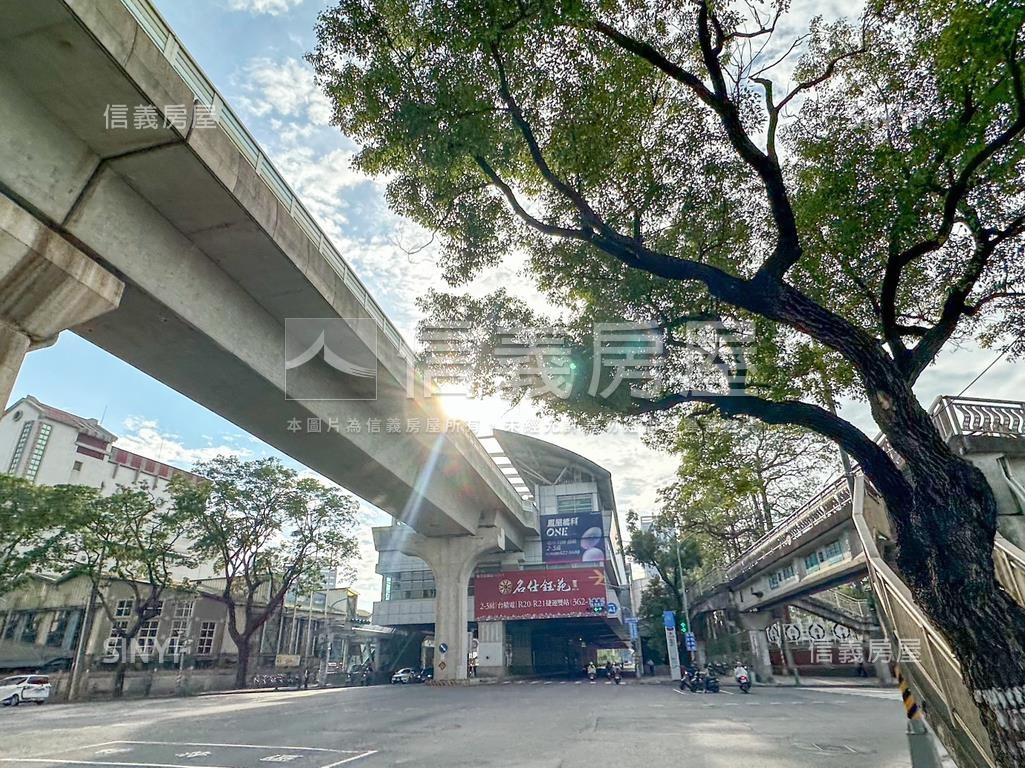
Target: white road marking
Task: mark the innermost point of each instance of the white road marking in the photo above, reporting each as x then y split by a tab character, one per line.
368	753
239	746
97	762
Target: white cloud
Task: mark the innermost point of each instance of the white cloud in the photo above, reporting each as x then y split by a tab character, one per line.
283	88
269	7
144	436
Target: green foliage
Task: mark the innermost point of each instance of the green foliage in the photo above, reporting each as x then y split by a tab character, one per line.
671	554
35	524
531	129
258	518
269	531
737	479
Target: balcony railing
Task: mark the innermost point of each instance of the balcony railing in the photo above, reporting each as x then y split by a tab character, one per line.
972	416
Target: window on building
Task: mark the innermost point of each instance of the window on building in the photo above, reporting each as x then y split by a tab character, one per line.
146	637
183	609
11	627
834	552
58	628
114	641
19	447
811	562
31	628
177	640
36	457
123	608
410	585
574	503
205	641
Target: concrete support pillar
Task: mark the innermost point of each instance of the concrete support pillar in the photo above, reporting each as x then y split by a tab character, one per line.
46	286
13	346
491	649
452	559
760	659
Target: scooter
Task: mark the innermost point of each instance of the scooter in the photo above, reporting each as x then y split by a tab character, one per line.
617	676
711	682
690	680
745	683
592	675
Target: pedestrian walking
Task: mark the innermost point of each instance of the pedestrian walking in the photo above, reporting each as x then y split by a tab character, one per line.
651	667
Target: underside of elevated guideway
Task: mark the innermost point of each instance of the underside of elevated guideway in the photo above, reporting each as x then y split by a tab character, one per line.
215	253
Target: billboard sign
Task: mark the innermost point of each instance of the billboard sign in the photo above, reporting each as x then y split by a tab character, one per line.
572	537
551	594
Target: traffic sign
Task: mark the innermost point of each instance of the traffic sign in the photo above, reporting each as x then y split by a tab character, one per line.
611	609
443	647
669	619
632	624
690	642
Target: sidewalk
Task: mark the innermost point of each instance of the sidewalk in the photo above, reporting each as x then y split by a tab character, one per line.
783	682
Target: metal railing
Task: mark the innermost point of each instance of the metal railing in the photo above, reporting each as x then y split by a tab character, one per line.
953	416
934	670
972	416
833	500
845	604
203	89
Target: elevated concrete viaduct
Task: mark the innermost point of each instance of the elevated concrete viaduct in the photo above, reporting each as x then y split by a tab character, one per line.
180	249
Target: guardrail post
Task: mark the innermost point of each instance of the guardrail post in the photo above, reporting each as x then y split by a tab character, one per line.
920	741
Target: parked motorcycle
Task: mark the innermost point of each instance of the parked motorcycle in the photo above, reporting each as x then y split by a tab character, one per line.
711	682
691	681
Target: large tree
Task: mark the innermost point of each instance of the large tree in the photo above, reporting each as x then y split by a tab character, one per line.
131	546
738	478
673	556
35	526
269	532
853	196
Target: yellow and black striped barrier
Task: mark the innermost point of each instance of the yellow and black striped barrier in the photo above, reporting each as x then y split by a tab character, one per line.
911	708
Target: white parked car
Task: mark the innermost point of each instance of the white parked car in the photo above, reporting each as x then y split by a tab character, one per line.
404	675
19	688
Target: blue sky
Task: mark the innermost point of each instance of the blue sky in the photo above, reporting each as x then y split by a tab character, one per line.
252	50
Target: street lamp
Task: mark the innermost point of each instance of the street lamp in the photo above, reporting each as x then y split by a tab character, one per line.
329	637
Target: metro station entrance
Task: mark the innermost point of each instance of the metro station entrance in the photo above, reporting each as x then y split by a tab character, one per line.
560	647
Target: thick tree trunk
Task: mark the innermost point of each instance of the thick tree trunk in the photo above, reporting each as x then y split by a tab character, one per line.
242	668
945	535
118	688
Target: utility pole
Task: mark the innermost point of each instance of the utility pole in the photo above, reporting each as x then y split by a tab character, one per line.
683	596
87	629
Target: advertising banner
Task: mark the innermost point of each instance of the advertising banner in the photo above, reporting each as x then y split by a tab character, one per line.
572	538
551	594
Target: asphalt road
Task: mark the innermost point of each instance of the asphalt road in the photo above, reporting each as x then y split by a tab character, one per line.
537	725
